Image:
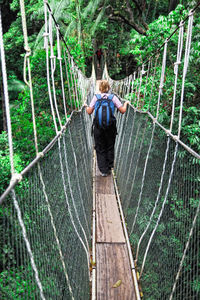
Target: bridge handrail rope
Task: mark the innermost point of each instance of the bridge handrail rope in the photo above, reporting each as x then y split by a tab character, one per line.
15	202
39	156
141	72
168	132
53	64
48	35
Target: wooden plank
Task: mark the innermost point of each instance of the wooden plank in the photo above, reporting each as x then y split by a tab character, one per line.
108	223
113	265
104	185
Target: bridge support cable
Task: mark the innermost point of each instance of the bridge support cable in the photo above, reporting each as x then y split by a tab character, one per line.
133	154
79	187
59	57
185	251
53	67
161	212
153	81
52	231
162	78
67	74
86	246
185	67
164	197
143	178
179	51
55	231
68	204
122	142
157	200
6	97
176	67
13	195
46	45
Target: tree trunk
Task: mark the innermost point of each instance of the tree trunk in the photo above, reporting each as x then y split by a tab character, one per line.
172	4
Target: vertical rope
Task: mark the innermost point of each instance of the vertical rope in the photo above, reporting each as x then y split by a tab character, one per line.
157	199
61	70
6	97
53	67
46	45
142	72
147	77
143	177
162	77
186	62
72	196
27	63
77	176
176	64
185	251
75	85
68	205
55	231
162	209
154	73
131	161
28	247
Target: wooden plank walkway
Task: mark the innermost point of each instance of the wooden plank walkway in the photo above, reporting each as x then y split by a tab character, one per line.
112	260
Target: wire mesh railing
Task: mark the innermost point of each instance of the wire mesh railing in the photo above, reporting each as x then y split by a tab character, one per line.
159	188
157	172
45	238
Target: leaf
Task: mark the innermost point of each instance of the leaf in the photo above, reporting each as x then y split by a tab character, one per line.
117	284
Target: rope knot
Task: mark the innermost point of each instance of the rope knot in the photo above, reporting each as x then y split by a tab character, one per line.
161	86
177	63
191	12
45	1
181	23
167	132
40	154
28	51
175	137
45	34
16	177
63	128
154	120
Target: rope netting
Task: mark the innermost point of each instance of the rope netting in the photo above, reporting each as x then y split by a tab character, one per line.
159	188
45	220
158	174
55	204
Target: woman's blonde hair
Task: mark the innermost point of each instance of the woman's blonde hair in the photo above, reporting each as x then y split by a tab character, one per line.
104	86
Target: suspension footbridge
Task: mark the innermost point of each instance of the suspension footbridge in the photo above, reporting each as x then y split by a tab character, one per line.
144	219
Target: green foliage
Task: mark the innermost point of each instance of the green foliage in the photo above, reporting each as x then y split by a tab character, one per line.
5	162
142	47
13	285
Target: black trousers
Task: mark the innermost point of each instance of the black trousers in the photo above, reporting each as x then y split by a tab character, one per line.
104	146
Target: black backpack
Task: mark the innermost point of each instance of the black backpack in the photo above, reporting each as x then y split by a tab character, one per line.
104	111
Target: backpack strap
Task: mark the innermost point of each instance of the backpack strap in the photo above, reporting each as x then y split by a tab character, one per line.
98	96
110	97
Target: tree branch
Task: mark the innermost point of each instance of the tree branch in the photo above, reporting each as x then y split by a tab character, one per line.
118	17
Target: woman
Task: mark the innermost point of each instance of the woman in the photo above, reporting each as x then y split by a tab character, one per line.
105	137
